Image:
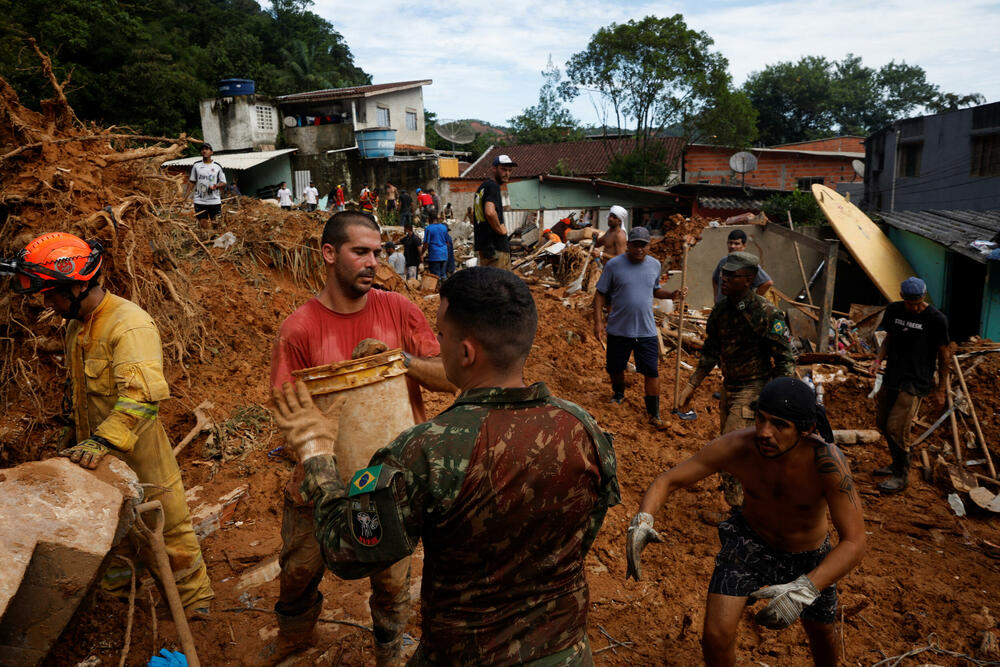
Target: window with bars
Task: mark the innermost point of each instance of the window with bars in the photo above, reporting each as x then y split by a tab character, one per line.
265	118
382	116
985	155
411	120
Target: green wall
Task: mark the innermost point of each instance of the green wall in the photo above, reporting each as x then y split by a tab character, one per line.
989	326
532	194
928	259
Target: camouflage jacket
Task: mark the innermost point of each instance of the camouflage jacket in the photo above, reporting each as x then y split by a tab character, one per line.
508	489
749	340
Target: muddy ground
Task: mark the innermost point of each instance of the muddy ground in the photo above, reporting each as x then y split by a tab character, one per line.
922	575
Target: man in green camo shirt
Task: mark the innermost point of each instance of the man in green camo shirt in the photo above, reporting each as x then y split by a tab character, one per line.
748	339
507	488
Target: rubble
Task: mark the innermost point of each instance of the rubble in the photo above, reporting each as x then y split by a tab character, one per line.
59	522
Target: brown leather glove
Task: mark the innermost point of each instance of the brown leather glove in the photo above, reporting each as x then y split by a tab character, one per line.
308	432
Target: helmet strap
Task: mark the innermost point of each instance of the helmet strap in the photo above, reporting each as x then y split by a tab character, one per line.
76	302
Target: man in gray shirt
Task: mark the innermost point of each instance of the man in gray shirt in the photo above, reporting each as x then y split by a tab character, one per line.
630	282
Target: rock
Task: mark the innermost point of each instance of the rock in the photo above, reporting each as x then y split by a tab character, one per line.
59	522
989	647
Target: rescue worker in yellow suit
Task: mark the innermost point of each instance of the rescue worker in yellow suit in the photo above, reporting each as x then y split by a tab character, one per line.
115	364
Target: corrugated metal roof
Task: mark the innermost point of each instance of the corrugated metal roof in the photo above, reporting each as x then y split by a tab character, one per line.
355	91
582	158
598	182
234	161
729	202
779	151
954	230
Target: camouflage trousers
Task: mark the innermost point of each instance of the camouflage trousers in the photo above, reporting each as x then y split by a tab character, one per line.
736	412
302	570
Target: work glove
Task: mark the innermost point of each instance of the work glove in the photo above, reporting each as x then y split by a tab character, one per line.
640	533
787	604
308	432
168	659
88	453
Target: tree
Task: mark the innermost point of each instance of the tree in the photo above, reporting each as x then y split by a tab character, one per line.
655	73
549	121
147	65
816	97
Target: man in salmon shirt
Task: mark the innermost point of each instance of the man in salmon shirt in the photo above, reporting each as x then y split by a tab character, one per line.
326	330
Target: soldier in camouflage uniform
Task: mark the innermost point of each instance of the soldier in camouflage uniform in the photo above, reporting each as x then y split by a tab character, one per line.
507	488
748	339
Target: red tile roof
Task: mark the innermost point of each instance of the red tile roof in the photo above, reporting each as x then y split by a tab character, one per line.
413	148
582	158
356	91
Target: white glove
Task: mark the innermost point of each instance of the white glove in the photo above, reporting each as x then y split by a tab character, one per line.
789	601
640	533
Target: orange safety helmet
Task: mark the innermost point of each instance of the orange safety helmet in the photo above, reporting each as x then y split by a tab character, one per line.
56	259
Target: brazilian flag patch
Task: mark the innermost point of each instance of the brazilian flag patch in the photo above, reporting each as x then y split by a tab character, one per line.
364	480
779	328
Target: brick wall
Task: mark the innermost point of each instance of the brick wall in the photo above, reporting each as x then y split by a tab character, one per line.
774	170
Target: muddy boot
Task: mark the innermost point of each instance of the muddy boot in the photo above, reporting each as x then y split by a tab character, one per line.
389	654
295	634
900	476
891	468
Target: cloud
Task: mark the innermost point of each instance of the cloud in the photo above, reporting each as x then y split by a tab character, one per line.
486	58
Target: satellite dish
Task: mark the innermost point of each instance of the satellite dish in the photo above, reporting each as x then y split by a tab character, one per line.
455	131
743	162
859	167
290	121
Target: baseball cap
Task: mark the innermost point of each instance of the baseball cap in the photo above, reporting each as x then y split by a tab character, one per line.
638	234
913	288
205	145
619	212
503	160
740	260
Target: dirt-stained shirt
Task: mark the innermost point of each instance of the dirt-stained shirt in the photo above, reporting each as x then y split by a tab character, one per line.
508	489
314	335
749	340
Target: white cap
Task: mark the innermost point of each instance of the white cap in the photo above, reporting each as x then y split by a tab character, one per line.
620	213
503	160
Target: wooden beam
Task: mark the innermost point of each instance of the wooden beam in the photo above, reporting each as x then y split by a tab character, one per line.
823	326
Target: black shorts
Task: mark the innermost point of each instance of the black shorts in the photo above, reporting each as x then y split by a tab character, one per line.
647	354
207	210
746	563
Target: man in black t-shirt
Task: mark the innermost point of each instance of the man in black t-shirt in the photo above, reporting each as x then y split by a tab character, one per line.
489	232
405	208
916	338
411	251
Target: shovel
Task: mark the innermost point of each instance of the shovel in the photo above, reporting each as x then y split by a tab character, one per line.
155	537
578	283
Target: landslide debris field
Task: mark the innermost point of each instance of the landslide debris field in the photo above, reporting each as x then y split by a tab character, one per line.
928	576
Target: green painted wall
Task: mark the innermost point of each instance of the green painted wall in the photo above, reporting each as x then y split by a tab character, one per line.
928	259
531	194
990	324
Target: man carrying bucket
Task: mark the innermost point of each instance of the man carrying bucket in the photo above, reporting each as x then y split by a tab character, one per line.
325	330
507	489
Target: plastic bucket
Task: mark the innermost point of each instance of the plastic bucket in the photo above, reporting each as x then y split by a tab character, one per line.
376	142
377	408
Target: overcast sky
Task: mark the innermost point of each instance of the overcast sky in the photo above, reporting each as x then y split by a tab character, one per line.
486	57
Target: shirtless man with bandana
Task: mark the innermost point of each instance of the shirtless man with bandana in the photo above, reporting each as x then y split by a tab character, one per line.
777	545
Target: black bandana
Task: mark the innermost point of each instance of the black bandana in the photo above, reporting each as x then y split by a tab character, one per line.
794	400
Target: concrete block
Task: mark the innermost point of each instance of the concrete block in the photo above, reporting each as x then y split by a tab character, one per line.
57	523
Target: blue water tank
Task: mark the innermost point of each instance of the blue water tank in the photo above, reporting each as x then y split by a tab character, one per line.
376	142
234	87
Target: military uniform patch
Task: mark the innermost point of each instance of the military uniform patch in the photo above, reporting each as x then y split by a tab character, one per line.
364	480
365	524
779	328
